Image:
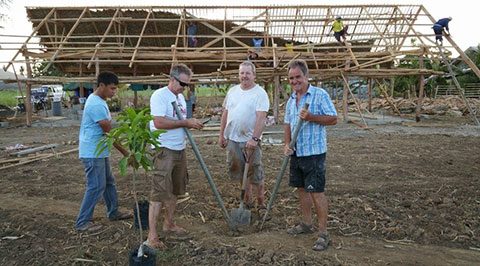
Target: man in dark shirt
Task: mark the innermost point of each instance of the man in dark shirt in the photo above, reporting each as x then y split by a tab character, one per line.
438	29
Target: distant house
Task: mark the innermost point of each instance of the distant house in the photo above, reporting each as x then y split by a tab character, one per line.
11	85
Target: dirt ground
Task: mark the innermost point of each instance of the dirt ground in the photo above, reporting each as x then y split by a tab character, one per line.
398	195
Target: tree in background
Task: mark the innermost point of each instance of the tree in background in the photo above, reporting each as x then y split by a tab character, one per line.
470	77
51	71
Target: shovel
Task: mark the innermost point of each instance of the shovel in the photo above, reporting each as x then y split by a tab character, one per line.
284	166
204	166
240	216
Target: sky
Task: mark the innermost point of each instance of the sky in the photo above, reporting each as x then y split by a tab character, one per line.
461	28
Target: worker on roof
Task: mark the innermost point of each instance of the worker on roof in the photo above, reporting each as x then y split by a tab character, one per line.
438	29
339	29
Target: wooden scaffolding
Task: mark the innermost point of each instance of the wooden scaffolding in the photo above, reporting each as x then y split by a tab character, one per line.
140	43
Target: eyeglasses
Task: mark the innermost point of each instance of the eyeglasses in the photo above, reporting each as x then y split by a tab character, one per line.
183	84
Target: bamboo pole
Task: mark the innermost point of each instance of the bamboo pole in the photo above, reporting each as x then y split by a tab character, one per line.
35	30
420	93
140	38
65	40
344	100
28	92
104	37
385	94
354	99
276	97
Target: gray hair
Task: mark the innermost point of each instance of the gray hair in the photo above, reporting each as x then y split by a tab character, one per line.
248	63
178	69
299	63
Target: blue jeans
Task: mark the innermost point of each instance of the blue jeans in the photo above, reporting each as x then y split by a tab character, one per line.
100	182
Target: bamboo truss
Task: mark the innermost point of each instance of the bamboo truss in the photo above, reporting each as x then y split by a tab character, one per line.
140	43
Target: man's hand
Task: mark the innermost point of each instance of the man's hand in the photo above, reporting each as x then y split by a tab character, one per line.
194	123
251	144
305	115
222	142
287	151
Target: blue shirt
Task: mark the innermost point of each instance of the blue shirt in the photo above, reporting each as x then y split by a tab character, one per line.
192	29
442	23
312	137
95	110
257	43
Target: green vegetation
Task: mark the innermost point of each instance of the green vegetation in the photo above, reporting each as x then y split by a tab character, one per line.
134	134
7	97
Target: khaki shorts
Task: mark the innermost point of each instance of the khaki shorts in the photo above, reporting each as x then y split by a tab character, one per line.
236	162
170	174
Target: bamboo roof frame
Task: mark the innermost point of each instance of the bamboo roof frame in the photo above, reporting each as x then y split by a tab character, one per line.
145	36
140	43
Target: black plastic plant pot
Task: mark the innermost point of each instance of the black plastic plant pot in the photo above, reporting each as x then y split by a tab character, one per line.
143	206
148	259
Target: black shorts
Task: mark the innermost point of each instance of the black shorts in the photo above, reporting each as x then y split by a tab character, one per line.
308	172
339	34
438	33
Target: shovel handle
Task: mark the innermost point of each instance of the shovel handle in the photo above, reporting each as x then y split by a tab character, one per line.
247	156
284	166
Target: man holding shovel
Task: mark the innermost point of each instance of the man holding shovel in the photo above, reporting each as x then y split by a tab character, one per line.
243	120
307	165
170	174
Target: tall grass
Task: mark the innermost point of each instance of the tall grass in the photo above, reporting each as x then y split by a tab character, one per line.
7	97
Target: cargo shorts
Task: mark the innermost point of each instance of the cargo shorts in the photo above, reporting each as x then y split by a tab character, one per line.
170	174
236	162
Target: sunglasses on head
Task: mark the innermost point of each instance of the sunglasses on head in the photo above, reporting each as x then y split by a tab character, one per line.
183	84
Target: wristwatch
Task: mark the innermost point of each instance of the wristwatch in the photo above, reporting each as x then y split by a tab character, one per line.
256	139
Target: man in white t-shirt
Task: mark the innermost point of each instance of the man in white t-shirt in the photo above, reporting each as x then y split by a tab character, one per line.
170	174
243	120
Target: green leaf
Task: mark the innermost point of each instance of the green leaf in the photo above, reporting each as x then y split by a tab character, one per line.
123	165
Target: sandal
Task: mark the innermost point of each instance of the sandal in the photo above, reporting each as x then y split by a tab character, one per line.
321	243
120	216
90	228
301	228
154	245
262	210
249	205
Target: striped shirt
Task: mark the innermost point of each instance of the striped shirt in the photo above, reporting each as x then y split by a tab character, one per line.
312	137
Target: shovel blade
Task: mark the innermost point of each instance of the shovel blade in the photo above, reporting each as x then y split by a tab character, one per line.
240	217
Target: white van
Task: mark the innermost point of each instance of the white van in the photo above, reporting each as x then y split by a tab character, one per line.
55	92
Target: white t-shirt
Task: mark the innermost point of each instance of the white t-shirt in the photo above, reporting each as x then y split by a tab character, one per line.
161	105
242	106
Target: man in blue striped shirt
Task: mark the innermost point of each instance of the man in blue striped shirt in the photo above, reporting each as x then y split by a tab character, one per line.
307	165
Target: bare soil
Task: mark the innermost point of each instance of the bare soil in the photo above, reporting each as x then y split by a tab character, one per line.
398	195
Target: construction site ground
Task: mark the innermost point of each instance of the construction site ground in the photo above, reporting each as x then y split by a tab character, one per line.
400	193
